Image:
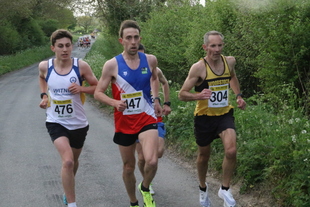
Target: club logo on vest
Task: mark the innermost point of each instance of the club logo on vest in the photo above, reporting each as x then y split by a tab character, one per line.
73	80
144	70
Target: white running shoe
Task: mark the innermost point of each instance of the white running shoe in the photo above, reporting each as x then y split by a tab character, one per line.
151	190
204	199
226	195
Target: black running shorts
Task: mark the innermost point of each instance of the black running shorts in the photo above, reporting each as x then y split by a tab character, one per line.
208	128
76	137
129	139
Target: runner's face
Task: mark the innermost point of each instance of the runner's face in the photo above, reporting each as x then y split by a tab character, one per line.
131	40
62	48
214	47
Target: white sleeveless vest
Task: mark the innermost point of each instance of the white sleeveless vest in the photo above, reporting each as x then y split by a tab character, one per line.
65	108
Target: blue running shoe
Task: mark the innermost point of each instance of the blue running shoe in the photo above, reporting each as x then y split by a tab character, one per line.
64	199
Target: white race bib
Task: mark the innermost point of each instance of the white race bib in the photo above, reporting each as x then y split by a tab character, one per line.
63	109
135	102
219	97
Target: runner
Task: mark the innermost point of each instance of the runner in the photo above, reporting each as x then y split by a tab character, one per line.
131	75
161	125
212	77
61	84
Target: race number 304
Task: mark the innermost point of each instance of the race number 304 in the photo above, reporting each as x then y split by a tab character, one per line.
219	97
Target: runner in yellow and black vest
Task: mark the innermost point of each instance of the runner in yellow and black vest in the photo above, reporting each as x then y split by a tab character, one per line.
218	104
212	77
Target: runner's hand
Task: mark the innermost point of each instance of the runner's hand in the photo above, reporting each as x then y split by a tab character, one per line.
74	88
241	103
204	94
166	110
120	105
158	109
43	103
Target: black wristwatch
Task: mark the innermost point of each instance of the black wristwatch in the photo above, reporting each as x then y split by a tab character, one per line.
239	94
157	99
168	103
42	94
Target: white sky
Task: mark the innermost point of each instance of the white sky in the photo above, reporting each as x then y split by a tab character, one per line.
202	2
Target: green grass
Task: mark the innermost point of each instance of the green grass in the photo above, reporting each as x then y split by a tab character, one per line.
24	58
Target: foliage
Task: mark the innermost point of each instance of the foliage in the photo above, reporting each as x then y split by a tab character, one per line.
11	36
167	39
17	61
31	22
49	26
287	60
84	22
31	32
56	9
180	124
112	12
21	35
274	53
274	148
21	8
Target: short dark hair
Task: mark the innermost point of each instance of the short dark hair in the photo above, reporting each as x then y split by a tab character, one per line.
128	24
60	33
141	47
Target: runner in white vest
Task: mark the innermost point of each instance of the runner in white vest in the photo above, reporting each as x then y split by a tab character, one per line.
62	93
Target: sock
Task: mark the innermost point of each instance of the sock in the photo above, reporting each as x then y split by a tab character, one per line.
225	188
203	189
134	204
72	204
144	188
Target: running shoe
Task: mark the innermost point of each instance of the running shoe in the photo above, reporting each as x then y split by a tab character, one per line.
147	197
151	190
204	198
226	195
64	199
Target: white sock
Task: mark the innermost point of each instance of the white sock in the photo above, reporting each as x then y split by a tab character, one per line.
72	204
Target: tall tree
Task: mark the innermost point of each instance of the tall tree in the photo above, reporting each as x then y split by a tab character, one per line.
85	22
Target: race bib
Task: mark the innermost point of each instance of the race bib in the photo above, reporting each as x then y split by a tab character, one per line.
63	109
219	97
135	102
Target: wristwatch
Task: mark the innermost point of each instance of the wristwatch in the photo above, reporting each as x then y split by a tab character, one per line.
239	94
168	103
42	94
157	99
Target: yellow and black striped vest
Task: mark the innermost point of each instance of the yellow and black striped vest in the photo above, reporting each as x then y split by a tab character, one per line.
219	84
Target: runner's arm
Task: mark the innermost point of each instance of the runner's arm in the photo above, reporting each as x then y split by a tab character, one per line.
109	73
